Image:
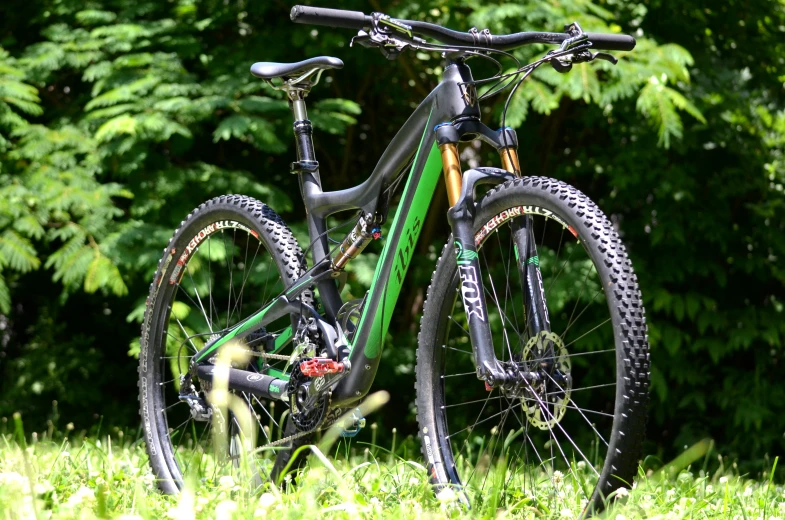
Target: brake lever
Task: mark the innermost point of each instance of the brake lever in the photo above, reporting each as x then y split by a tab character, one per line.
605	56
564	63
363	38
389	35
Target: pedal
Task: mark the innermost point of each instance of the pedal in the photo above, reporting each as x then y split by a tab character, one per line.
353	425
318	367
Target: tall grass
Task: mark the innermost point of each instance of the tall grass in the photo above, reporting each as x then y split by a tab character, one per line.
53	475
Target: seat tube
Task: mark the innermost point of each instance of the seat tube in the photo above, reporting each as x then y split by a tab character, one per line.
307	167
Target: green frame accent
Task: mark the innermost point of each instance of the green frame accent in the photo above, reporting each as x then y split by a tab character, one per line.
414	218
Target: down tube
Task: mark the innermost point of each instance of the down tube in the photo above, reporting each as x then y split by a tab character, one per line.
391	271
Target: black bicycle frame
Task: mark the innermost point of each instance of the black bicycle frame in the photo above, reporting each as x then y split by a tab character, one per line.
449	114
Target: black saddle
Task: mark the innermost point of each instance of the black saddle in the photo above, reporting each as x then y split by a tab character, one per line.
270	70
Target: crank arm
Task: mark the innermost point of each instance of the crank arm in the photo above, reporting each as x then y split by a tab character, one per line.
318	385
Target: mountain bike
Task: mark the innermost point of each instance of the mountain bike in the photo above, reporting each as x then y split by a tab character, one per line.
532	357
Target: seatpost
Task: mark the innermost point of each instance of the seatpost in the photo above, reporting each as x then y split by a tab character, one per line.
303	132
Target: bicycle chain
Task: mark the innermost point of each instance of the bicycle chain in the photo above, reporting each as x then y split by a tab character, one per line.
295	436
286	440
279	357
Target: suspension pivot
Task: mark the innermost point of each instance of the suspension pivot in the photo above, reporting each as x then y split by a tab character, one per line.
318	367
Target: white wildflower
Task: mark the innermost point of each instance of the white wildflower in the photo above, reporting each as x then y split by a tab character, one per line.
709	489
267	500
13	480
581	464
226	482
622	492
225	509
747	491
670	493
621	517
723	480
42	488
83	494
446	495
565	513
414	481
558	476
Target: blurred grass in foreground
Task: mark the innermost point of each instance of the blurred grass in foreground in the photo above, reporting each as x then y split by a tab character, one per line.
110	478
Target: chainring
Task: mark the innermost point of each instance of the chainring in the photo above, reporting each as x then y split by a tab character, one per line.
546	403
310	419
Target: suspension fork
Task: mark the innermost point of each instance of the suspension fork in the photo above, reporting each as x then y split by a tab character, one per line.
460	193
528	263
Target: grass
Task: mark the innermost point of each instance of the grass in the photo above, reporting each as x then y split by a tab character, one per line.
82	477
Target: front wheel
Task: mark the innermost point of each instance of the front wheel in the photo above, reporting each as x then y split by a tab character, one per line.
582	426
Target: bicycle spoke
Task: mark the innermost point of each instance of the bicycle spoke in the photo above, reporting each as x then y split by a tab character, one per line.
587	333
565	427
204	313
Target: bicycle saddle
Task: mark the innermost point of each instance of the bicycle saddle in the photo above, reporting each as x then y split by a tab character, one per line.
270	70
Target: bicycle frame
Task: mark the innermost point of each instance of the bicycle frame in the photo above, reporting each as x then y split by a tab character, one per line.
449	114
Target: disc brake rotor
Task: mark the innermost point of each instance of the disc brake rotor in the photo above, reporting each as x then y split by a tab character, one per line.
546	403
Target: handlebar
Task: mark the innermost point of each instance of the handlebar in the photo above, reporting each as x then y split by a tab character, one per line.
359	21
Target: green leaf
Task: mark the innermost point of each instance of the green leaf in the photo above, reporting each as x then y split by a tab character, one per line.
339	105
103	274
120	125
5	296
95	17
17	252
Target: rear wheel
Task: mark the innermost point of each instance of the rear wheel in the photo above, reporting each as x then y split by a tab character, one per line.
230	257
583	425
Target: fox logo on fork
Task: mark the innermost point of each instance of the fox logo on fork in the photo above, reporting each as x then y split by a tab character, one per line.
470	292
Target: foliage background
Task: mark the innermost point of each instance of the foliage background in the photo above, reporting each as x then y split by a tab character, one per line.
117	117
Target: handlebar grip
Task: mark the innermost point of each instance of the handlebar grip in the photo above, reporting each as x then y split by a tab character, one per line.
329	17
611	42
